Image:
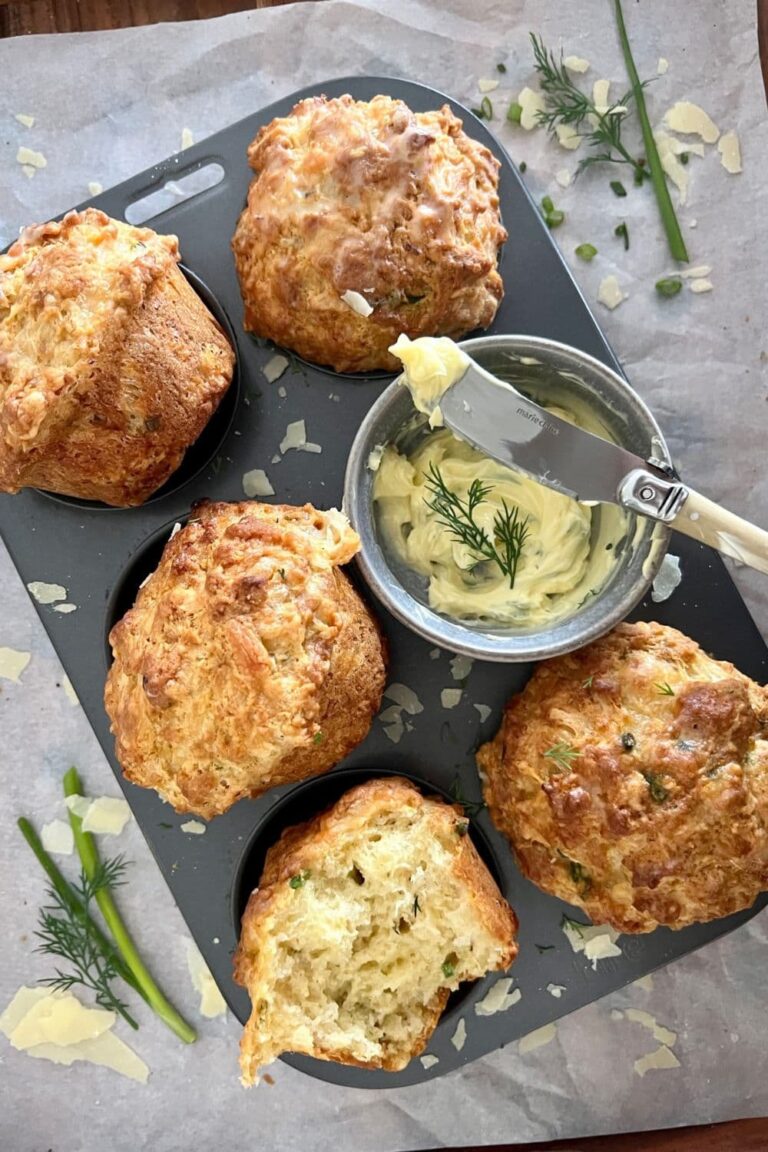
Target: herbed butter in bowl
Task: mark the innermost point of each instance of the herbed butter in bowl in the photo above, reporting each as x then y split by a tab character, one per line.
478	558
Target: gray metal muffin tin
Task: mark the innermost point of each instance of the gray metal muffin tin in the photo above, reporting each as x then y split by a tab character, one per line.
101	555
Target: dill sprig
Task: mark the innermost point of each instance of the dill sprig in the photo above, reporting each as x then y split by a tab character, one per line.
567	104
509	531
70	935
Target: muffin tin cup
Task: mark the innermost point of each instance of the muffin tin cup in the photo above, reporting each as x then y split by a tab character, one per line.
102	559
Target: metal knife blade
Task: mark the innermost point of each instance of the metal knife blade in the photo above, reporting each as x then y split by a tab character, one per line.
502	423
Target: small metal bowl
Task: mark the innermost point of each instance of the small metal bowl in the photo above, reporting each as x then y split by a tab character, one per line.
536	366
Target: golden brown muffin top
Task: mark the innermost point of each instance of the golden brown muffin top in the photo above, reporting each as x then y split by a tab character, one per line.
64	288
219	665
631	778
368	197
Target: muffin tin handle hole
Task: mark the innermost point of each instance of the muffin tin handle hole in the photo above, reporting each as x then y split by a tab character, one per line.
199	178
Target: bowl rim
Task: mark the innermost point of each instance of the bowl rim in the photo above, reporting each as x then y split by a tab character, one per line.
452	634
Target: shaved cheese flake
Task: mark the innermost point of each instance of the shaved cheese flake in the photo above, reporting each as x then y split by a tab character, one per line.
450	697
65	608
374	457
308	446
661	1034
24	999
276	458
576	64
692	147
57	837
60	1019
30	157
601	947
394	732
461	666
295	436
28	171
193	827
531	103
274	368
498	998
13	663
616	1014
428	1061
556	990
563	177
256	483
69	691
662	67
78	804
690	119
95	188
567	136
356	302
667	579
486	85
730	152
600	93
405	697
644	982
106	1051
699	286
212	1002
459	1037
391	714
596	941
661	1059
434	653
609	293
282	392
483	711
694	273
187	138
538	1038
107	816
46	593
25	119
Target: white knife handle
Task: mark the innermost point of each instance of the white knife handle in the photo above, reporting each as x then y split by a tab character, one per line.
706	521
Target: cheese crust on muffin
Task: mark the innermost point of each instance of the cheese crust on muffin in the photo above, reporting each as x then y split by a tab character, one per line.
631	779
365	220
248	659
365	920
110	363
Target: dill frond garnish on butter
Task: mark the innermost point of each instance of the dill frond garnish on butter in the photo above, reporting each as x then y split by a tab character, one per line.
509	530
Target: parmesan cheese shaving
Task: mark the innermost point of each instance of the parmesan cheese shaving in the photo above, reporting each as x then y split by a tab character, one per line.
459	1037
699	286
486	85
25	119
69	691
556	990
690	119
256	483
567	136
662	1058
576	64
730	152
274	368
374	457
394	731
662	67
600	93
107	816
609	293
661	1034
187	138
30	157
450	697
498	998
461	666
531	103
667	579
65	608
563	177
538	1038
295	436
57	837
78	804
94	188
644	982
601	947
483	710
404	697
193	827
596	941
13	663
46	593
428	1061
357	302
28	171
212	1002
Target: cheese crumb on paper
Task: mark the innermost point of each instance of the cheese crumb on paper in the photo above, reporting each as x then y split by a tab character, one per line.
690	119
78	804
69	691
404	697
459	1037
531	103
57	837
95	188
274	368
487	85
193	827
661	1034
567	137
28	171
730	152
54	1025
46	593
450	697
609	293
428	1061
563	177
356	302
30	157
256	483
662	1058
187	138
107	816
662	67
699	286
644	982
600	94
13	663
212	1002
25	119
576	64
538	1038
498	998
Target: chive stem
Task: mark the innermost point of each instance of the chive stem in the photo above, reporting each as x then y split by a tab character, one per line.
89	857
668	217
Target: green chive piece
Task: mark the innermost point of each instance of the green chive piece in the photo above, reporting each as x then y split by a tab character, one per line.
487	108
622	232
669	286
618	188
657	790
501	67
448	969
586	252
523	167
684	157
580	876
514	112
318	738
553	217
300	879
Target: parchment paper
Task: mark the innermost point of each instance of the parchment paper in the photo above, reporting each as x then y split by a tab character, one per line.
107	105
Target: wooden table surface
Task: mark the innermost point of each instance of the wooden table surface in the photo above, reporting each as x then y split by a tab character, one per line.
22	17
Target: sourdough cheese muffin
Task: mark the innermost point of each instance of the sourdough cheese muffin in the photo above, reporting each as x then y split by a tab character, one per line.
248	659
365	919
631	779
365	220
110	364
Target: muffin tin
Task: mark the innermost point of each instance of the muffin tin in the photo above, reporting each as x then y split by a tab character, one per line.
101	556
